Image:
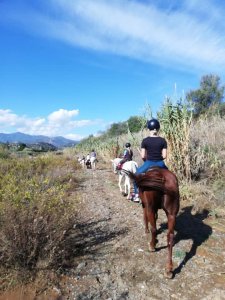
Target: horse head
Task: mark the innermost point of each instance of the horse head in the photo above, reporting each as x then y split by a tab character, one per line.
115	163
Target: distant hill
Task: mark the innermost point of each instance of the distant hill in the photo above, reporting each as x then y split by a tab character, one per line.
19	137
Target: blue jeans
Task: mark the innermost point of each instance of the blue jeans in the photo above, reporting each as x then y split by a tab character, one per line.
147	165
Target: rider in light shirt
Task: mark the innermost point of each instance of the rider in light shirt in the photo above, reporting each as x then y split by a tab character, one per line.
127	156
93	153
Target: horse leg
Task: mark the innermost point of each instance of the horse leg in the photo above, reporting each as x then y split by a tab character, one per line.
145	220
127	186
94	164
119	183
152	220
170	243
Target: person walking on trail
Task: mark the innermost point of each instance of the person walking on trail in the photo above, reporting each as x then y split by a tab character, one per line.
127	155
153	152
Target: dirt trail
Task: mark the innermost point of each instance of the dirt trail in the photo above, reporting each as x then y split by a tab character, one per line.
112	258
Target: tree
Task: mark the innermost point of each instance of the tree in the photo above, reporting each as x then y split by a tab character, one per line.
222	109
117	129
209	94
135	123
21	146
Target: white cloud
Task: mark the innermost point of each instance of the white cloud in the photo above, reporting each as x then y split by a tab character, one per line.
62	115
187	34
7	116
75	137
59	122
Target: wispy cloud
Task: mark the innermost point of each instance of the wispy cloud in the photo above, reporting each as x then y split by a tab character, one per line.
59	122
188	35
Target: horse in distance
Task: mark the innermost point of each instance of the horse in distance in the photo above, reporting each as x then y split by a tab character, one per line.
124	181
81	161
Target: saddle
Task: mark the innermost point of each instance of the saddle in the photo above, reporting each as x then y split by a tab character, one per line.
119	167
88	162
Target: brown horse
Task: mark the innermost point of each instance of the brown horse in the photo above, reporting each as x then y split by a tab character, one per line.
158	188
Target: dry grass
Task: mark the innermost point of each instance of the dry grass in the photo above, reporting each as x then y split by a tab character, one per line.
37	211
210	132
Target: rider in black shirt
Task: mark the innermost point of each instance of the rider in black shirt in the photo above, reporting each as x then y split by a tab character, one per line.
153	151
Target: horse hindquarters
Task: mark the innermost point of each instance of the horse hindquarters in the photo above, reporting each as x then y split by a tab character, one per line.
93	162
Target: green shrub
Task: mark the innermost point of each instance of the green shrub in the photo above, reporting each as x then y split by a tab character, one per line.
4	152
36	211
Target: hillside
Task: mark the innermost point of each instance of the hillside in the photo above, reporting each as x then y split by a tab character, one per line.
19	137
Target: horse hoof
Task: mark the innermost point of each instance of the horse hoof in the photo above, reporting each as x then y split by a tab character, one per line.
152	249
169	274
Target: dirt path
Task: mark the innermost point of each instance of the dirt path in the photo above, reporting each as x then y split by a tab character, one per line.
112	260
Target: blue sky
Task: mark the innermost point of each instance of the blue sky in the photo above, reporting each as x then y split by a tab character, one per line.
73	67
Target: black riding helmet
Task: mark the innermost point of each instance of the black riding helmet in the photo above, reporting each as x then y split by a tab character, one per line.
127	145
153	124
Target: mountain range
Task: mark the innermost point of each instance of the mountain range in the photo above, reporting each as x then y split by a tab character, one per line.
19	137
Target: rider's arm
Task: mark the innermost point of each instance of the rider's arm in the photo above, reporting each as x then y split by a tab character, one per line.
143	154
164	153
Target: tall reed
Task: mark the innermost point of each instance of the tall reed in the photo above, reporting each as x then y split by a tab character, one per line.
175	120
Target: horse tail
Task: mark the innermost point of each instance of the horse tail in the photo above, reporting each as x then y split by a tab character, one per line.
151	180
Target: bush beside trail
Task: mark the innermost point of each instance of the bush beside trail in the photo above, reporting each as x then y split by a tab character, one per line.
38	208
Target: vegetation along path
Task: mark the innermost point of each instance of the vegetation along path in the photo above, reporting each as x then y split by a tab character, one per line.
113	260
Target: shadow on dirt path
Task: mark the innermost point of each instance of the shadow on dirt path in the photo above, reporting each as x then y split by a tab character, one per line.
88	238
192	227
188	227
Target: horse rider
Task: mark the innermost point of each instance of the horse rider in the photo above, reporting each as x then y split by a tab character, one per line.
153	152
127	156
93	154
